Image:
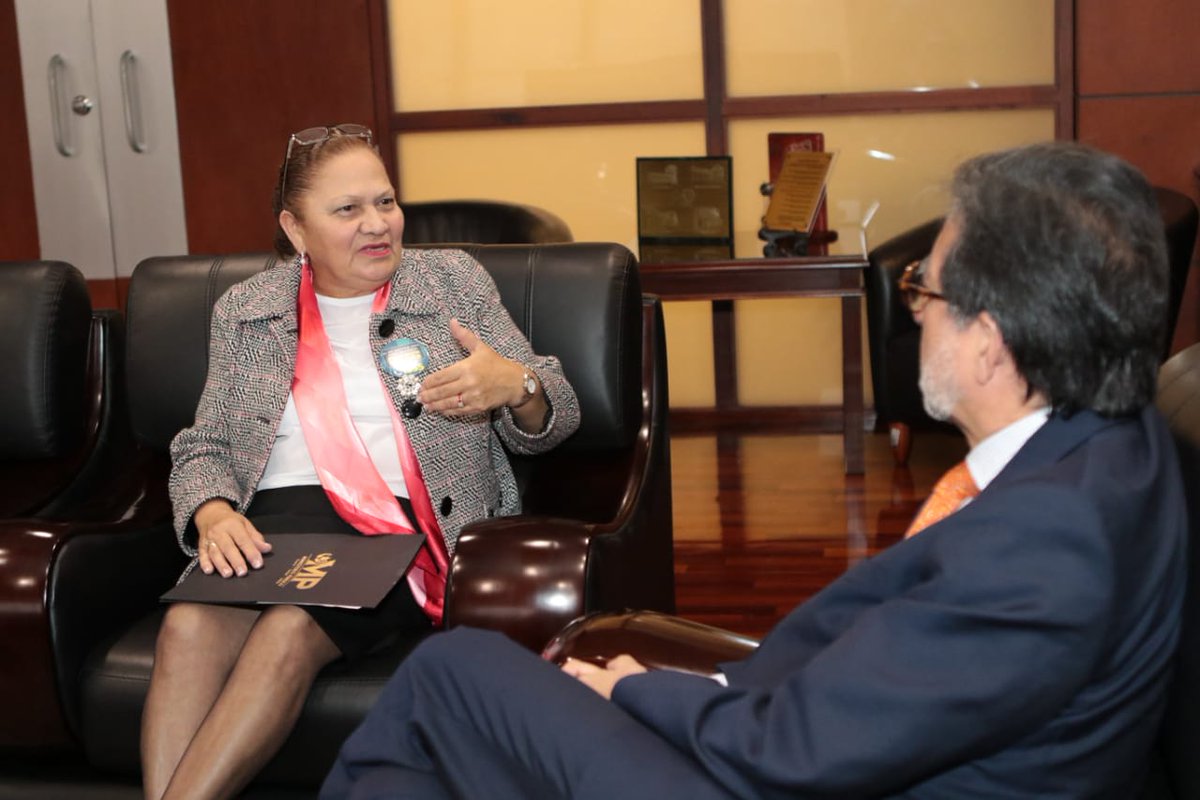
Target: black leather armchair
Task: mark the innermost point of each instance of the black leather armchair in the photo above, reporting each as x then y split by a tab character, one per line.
596	533
63	432
56	399
481	222
894	339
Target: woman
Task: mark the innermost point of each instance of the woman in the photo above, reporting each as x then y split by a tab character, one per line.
360	386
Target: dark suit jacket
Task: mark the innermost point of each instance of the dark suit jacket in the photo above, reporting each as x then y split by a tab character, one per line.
1019	648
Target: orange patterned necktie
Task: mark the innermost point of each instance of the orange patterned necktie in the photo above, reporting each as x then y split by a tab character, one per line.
948	494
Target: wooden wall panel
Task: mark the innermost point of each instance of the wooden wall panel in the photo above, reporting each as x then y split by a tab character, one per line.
246	76
1135	46
18	219
1138	81
1159	133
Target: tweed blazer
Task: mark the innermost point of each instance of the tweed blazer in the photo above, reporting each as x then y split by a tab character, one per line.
252	358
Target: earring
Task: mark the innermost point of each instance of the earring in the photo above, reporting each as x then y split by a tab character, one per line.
300	260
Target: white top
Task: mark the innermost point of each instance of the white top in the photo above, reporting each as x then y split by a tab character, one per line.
347	325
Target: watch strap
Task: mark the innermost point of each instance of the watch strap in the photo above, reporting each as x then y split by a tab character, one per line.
527	395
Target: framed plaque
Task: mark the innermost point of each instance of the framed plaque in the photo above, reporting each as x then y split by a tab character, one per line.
685	209
778	146
799	191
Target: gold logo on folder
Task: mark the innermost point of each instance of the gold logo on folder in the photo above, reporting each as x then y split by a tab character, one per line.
307	571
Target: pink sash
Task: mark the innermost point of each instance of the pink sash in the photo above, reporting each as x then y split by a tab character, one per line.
350	479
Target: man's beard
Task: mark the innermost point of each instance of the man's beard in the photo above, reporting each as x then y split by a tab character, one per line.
938	392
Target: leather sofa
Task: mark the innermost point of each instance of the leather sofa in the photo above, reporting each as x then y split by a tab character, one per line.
58	393
595	535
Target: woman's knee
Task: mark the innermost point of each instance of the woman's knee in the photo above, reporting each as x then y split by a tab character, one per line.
193	628
293	637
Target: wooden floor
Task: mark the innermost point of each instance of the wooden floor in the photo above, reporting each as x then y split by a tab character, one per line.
765	520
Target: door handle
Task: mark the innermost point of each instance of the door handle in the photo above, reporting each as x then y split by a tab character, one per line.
131	96
59	106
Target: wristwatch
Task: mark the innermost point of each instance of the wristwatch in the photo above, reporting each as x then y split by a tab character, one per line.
529	384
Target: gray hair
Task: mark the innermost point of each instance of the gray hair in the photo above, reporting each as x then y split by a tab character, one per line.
1064	247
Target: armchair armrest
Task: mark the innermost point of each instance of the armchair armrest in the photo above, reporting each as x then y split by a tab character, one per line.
64	587
658	641
520	575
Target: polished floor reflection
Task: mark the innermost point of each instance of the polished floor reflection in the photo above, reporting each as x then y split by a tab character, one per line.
765	520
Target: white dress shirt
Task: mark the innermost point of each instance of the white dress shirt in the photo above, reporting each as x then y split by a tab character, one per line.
989	457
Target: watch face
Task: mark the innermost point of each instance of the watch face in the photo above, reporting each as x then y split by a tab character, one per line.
530	385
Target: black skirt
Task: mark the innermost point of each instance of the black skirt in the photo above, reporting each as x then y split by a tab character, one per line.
356	632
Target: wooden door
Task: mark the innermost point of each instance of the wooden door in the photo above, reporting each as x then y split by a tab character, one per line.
18	219
246	76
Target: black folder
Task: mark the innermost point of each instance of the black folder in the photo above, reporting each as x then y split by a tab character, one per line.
320	569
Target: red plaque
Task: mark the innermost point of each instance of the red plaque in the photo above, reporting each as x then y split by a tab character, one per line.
779	145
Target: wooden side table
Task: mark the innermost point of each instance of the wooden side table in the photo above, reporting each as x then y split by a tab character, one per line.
800	276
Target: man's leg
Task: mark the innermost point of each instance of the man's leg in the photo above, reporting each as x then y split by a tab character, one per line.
490	719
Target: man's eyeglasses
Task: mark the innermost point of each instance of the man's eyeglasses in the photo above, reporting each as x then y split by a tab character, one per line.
311	136
912	288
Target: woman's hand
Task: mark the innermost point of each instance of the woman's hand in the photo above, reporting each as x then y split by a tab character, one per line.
602	679
481	382
227	540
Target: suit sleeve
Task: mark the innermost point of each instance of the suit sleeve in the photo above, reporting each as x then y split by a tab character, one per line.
999	635
201	460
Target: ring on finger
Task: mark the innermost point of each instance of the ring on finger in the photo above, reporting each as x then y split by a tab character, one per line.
211	543
460	400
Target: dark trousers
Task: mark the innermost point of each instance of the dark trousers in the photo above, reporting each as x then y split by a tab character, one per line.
470	714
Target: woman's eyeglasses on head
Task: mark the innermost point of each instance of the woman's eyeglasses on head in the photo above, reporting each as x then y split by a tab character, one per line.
913	290
312	136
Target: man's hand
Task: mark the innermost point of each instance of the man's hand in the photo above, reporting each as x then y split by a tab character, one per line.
603	679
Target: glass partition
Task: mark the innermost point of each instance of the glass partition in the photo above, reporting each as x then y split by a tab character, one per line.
586	175
776	47
489	54
900	161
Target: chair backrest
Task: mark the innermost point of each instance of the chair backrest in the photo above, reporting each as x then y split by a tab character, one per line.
1180	218
580	302
888	320
45	325
481	222
168	315
1179	401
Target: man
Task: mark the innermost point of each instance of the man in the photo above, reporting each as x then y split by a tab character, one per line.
1018	647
